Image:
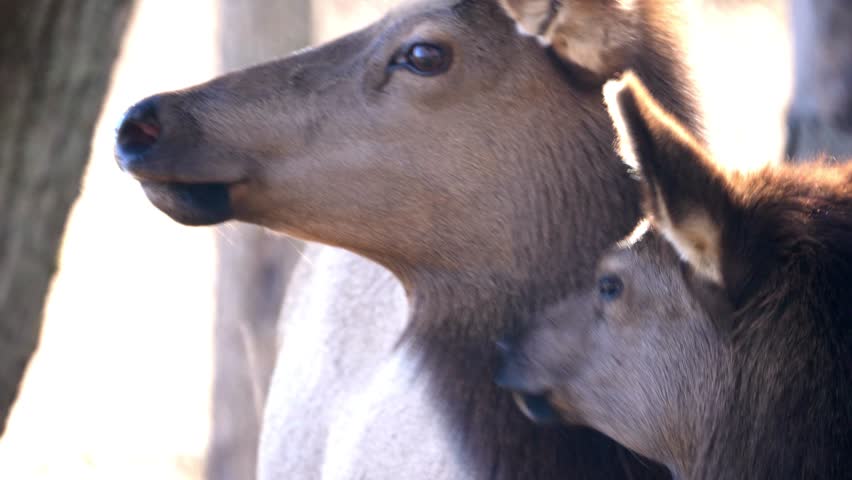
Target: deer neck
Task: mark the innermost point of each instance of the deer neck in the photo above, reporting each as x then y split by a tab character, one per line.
662	29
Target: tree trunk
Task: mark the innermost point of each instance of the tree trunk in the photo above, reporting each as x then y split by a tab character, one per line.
55	64
254	265
820	117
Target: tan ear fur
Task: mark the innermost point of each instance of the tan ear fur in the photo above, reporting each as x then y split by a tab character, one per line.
685	193
530	16
593	34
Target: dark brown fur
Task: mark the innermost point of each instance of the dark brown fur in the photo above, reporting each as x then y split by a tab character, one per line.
489	190
737	367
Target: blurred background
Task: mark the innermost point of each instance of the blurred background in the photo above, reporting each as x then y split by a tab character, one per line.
158	340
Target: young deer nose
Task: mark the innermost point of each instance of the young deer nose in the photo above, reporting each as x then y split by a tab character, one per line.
509	375
138	132
504	347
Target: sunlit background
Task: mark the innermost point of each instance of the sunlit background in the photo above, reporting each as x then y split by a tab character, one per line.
120	387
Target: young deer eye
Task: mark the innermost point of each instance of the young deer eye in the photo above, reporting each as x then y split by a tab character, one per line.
610	287
424	59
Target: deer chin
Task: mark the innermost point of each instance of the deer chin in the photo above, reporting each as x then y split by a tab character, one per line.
194	204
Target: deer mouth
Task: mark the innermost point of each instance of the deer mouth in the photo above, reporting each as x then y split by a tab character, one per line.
193	204
537	408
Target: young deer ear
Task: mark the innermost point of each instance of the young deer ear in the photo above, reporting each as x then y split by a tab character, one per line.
685	194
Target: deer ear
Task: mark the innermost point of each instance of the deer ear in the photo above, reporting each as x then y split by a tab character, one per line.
594	35
685	194
531	16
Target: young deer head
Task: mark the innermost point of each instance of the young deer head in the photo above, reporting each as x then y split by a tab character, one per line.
719	343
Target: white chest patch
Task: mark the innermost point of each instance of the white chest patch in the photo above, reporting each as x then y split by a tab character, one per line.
344	403
392	430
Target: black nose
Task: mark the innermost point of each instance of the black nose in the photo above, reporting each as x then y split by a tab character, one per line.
138	133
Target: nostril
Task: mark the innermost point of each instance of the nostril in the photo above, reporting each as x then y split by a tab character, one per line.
137	134
139	130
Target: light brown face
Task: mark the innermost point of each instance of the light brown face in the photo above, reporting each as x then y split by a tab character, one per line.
633	357
427	138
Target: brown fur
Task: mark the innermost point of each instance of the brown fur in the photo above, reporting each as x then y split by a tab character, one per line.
746	373
489	190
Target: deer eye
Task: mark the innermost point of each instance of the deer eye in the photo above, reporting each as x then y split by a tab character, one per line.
424	59
610	287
